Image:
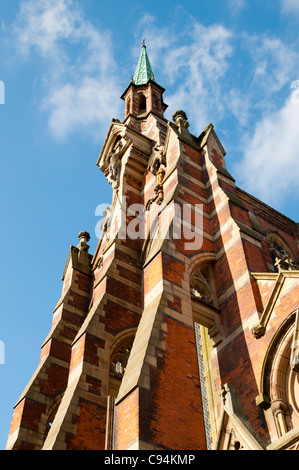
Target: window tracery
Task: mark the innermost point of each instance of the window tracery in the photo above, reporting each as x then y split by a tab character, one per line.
280	252
204	301
201	286
119	359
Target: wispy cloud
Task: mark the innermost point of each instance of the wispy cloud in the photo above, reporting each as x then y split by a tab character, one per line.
211	72
274	62
80	78
290	6
269	167
236	6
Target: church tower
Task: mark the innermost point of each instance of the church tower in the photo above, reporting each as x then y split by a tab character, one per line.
167	336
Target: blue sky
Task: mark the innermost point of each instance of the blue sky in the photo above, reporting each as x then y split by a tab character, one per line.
65	64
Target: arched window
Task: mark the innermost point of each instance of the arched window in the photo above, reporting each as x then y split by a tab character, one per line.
118	363
119	358
204	301
280	377
141	103
206	322
202	285
52	413
280	252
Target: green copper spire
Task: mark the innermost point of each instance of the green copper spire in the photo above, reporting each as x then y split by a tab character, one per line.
143	71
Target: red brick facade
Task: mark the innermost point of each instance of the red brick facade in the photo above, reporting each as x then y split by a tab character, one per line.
120	366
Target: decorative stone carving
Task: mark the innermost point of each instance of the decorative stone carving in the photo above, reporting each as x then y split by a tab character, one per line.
286	264
84	237
160	176
277	251
112	172
157	165
180	119
258	331
290	263
157	159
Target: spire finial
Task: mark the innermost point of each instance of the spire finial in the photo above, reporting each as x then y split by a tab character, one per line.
143	72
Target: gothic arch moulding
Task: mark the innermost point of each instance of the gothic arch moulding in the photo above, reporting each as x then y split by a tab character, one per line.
280	378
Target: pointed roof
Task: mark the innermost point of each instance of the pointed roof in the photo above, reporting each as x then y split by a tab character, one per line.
143	72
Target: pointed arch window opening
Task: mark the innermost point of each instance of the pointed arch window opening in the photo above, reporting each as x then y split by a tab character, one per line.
201	286
52	414
119	359
142	105
118	363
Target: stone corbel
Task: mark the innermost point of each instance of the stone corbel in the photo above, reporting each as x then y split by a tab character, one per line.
258	331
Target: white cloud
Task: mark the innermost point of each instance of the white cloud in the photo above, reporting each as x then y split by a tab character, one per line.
275	62
81	107
214	75
82	85
199	66
40	24
269	168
